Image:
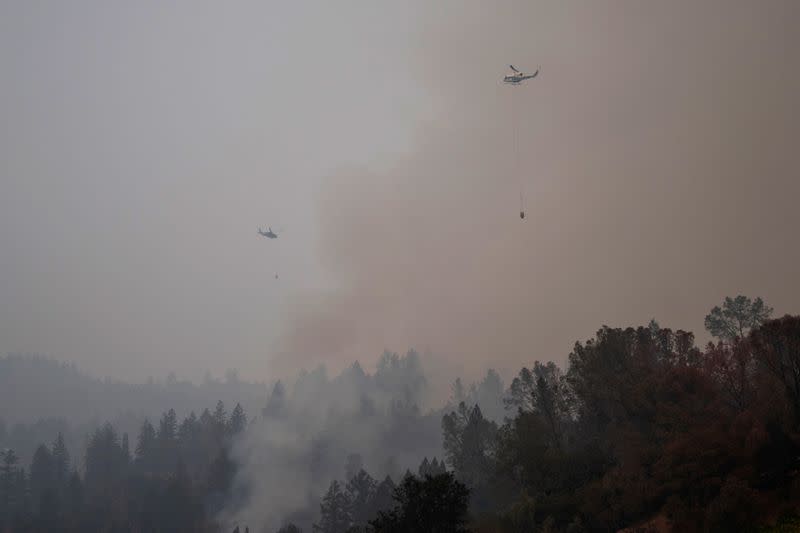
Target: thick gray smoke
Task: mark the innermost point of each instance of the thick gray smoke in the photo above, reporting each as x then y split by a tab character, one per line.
655	155
655	152
319	428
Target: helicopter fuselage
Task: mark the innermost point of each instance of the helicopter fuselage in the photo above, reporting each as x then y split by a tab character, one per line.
517	79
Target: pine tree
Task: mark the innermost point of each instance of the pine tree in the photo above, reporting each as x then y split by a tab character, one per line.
61	460
334	511
238	420
206	420
220	424
383	500
187	430
437	467
434	504
276	404
424	468
353	465
468	440
146	447
126	449
457	394
9	474
74	494
166	441
360	492
42	474
221	472
178	503
105	464
220	415
168	427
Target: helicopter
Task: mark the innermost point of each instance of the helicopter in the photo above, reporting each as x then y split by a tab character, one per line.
269	234
516	77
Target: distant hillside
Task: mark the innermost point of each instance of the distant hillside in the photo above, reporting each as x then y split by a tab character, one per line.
34	387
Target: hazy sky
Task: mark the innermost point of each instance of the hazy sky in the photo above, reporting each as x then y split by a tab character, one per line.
142	144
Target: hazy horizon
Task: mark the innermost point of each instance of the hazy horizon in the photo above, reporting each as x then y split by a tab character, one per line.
142	146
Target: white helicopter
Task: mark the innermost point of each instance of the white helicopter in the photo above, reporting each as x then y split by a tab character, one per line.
516	77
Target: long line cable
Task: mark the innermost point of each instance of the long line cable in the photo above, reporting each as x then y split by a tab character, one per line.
515	119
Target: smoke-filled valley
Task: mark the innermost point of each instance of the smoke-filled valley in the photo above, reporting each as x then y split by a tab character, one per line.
283	442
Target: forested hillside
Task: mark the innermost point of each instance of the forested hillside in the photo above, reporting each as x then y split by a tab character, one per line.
642	429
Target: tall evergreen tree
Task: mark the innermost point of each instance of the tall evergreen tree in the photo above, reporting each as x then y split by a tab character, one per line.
74	499
469	443
10	496
168	427
146	446
105	464
431	468
61	460
334	511
221	473
353	465
219	427
238	420
276	404
220	414
187	430
180	511
126	449
435	504
383	500
167	441
360	493
42	474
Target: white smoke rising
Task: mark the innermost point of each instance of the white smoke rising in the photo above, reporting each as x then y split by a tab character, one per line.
306	436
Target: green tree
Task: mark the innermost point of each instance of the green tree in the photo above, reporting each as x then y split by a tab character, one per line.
42	477
431	468
180	510
146	447
276	404
737	317
167	441
187	431
74	497
168	427
383	499
360	492
334	511
434	505
457	392
61	460
545	391
353	465
220	414
10	495
105	463
469	441
776	345
221	473
733	367
126	448
238	420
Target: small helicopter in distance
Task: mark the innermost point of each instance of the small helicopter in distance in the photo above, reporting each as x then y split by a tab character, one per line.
516	77
269	234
